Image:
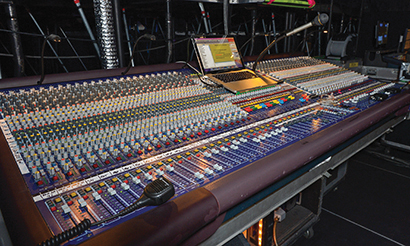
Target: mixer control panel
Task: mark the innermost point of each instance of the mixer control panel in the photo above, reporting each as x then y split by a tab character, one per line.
87	149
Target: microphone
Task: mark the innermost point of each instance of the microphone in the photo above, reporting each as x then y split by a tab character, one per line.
319	20
51	37
147	36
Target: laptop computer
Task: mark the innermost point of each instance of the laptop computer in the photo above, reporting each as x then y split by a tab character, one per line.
220	60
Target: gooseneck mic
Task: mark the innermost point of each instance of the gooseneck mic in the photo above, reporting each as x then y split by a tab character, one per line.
51	37
147	36
319	20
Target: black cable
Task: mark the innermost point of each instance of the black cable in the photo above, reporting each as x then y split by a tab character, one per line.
148	36
66	235
51	37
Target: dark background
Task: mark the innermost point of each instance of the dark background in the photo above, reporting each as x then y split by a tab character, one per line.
52	15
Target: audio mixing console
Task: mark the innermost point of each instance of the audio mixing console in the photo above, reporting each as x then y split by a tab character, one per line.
87	149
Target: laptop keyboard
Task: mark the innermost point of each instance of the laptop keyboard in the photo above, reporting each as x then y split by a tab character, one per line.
232	77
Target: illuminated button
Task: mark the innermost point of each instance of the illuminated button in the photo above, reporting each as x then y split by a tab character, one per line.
73	194
53	209
69	203
113	186
101	184
106	163
85	197
40	183
55	178
100	191
88	189
126	175
57	200
95	165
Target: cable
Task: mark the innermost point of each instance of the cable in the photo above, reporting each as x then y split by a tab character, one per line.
40	35
274	231
198	74
147	36
66	235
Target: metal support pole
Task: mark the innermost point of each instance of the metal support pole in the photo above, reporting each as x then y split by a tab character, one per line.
87	26
226	16
320	42
329	26
169	32
342	23
359	27
72	47
127	34
274	31
209	21
48	42
286	27
291	27
305	34
253	31
266	38
118	31
15	40
203	13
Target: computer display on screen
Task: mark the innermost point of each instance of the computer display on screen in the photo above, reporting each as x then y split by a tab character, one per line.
218	54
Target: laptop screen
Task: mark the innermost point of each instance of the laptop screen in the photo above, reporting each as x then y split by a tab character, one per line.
218	54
